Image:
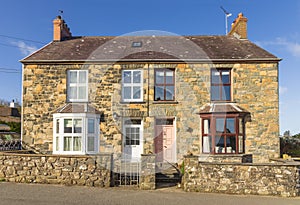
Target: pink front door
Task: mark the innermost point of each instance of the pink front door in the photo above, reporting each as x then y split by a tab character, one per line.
165	145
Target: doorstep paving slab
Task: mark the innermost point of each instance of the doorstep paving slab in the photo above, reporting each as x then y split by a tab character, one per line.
43	194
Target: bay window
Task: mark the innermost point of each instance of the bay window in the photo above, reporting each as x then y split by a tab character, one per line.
75	133
223	134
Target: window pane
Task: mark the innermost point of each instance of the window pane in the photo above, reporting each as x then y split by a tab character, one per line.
226	93
241	144
133	122
220	122
206	126
215	77
67	143
231	144
169	92
215	93
57	144
230	125
169	77
219	142
159	77
67	125
127	76
159	93
73	76
225	77
82	76
91	126
241	126
77	144
57	126
77	125
136	92
136	76
82	92
207	144
127	92
72	92
91	144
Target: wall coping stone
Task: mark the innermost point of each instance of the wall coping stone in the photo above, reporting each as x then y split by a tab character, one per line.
53	155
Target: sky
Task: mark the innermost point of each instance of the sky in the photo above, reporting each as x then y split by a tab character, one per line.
26	26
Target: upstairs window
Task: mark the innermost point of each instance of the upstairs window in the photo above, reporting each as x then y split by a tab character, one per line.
220	85
132	86
164	85
77	86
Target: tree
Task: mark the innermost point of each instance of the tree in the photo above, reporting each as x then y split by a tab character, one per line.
287	133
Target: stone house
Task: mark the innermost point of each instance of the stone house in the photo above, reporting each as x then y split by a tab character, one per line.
212	96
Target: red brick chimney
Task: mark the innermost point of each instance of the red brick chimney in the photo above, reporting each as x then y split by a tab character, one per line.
239	27
60	29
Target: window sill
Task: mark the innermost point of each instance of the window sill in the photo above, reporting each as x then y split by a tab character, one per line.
165	102
132	102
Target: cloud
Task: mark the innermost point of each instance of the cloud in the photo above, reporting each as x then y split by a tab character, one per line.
25	48
282	90
288	45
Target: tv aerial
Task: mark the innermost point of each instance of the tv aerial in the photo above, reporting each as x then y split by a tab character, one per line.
227	14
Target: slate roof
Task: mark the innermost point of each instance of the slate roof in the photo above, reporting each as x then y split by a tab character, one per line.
77	108
222	107
153	48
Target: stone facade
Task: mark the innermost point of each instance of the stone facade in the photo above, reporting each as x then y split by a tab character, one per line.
234	178
254	87
147	176
51	169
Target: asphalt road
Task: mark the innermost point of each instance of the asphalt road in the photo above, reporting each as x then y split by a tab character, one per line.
34	194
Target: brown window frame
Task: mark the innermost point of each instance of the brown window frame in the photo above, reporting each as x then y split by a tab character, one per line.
212	134
221	86
164	85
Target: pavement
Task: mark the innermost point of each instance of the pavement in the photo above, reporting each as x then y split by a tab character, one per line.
43	194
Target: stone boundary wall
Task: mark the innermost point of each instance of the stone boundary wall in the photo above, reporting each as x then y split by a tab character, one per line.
147	176
238	178
57	169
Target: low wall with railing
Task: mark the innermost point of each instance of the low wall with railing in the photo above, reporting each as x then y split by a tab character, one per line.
56	169
241	178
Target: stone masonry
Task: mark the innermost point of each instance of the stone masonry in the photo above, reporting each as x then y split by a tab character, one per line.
254	88
52	169
234	178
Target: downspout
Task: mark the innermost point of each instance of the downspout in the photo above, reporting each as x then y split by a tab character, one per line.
148	106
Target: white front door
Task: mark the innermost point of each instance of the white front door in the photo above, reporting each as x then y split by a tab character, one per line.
133	139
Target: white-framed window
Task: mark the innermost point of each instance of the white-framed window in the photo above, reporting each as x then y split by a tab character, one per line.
77	85
75	133
132	85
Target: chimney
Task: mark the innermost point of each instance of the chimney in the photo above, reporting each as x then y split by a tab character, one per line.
61	30
239	27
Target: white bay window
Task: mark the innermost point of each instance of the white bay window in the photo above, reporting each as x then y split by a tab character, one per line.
76	133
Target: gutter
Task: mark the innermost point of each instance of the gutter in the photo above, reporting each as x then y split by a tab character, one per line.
153	60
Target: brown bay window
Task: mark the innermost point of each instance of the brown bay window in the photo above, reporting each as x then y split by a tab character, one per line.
223	133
